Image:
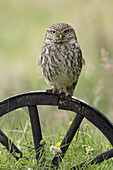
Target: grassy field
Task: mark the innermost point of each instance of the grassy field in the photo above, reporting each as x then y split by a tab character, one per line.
22	30
76	153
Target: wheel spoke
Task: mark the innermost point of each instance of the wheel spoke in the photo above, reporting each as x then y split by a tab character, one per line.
36	130
11	147
67	139
98	159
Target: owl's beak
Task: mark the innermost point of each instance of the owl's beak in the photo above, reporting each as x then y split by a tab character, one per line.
60	36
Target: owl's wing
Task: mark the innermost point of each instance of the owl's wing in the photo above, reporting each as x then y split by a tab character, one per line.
38	62
83	61
80	54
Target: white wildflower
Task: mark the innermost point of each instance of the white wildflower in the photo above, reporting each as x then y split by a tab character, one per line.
89	150
52	148
55	149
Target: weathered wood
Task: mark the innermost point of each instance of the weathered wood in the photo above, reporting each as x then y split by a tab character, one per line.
36	130
90	113
11	147
28	99
98	159
83	109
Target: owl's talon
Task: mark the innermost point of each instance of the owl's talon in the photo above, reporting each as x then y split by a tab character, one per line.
50	90
69	96
62	93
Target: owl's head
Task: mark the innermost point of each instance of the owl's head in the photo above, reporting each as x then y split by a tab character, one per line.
59	33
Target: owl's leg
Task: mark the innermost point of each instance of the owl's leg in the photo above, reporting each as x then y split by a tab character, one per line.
63	92
53	89
67	91
50	90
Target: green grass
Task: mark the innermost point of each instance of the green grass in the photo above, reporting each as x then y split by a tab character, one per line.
86	136
22	31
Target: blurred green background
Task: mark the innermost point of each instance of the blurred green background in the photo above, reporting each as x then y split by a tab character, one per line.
22	31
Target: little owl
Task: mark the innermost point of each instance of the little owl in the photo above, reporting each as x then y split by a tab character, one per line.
61	58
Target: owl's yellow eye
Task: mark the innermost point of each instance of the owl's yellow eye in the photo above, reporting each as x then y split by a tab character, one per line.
66	32
53	32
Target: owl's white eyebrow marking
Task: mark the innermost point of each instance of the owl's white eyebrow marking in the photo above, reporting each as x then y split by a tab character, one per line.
48	29
69	28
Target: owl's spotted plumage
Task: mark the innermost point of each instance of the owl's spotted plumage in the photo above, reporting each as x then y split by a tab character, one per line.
61	58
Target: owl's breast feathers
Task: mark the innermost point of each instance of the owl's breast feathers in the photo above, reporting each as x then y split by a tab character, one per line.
61	62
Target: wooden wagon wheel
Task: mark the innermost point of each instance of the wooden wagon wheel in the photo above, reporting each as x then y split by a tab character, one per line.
83	109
